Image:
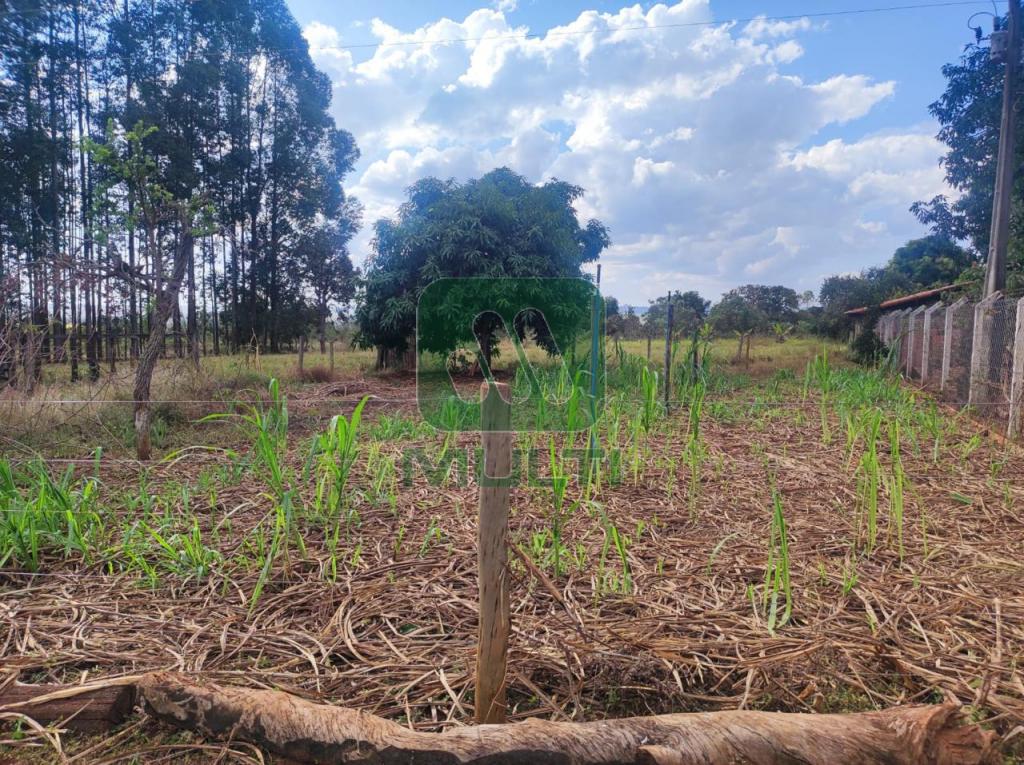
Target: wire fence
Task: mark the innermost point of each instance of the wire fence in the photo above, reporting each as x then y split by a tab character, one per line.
971	354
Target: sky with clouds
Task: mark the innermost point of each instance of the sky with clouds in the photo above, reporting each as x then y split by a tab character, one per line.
718	154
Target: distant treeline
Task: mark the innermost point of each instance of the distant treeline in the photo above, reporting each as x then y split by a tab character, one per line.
233	118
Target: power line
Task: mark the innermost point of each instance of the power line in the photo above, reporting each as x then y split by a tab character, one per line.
681	25
575	33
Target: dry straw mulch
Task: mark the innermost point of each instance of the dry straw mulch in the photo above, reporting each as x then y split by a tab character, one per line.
395	634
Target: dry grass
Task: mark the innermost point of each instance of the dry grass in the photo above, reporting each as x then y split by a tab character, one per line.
395	634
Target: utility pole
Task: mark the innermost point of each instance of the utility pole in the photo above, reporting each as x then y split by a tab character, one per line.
995	269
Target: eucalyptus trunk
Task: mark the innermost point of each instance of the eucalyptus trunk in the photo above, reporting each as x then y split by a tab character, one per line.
166	304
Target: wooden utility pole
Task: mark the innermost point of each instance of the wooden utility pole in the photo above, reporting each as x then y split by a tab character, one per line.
995	270
495	487
668	349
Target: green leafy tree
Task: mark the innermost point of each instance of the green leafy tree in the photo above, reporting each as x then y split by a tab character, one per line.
496	226
327	270
932	261
243	120
132	169
968	113
734	313
776	303
689	311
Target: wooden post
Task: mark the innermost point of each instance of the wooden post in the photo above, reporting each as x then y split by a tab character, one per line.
302	354
332	356
668	351
495	486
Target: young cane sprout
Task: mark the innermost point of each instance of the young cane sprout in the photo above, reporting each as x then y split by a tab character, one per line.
776	574
895	486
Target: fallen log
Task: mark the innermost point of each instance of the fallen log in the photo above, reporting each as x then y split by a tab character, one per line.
317	733
305	732
89	708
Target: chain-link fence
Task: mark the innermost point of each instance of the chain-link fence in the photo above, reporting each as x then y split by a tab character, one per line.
992	359
969	353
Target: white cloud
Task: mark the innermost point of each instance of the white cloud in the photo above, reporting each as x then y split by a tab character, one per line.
696	149
762	27
845	97
324	42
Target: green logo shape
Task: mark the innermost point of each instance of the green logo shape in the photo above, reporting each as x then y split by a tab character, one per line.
543	336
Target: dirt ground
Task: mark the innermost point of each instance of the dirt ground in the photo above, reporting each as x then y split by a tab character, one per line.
394	633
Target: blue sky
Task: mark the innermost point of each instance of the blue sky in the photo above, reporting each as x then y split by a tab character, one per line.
771	152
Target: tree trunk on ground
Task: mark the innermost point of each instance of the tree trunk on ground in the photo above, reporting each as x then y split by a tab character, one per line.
315	733
166	303
306	732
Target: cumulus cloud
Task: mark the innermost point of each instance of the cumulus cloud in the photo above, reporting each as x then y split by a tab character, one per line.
697	144
324	45
762	27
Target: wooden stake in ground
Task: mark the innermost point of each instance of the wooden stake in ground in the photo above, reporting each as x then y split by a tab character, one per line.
495	620
668	351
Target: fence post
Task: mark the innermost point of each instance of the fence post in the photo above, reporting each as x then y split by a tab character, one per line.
495	616
913	335
910	336
947	340
1017	384
900	337
981	347
668	349
926	348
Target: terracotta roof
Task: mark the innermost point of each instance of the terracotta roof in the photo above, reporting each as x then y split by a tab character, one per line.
904	300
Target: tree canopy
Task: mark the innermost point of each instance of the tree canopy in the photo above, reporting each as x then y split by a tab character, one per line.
689	310
968	113
235	113
920	264
499	225
734	313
